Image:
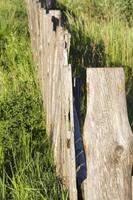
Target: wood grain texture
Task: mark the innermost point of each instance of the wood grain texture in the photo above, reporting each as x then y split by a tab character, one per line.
50	51
108	140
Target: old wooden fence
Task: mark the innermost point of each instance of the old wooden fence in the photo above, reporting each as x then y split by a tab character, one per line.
107	137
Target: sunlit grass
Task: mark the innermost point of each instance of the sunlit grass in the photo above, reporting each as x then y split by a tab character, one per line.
27	171
102	36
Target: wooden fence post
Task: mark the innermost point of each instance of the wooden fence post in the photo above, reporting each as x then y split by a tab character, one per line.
51	45
108	139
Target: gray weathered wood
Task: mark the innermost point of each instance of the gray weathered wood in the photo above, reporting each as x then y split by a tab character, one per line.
50	52
108	140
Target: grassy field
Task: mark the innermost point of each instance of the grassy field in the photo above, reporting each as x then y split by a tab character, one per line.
102	36
27	171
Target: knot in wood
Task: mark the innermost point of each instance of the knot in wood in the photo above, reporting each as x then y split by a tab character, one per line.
68	143
119	150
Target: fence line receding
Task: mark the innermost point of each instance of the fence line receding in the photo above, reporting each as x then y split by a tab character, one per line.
107	136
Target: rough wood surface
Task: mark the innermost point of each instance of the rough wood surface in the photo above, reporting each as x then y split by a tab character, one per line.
50	51
108	140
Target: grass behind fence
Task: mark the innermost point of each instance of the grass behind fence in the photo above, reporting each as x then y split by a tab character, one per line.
27	171
102	36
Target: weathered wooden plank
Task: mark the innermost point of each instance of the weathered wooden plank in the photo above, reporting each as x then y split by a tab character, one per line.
69	151
52	41
57	106
63	139
44	67
57	14
37	12
56	101
108	140
51	46
57	132
63	57
40	68
35	28
56	81
31	16
40	44
49	69
72	172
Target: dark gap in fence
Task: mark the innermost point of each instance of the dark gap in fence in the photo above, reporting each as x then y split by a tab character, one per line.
78	94
47	4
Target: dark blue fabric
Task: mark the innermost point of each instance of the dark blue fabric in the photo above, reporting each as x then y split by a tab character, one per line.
81	169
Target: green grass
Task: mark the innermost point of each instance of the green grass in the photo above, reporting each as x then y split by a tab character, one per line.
102	36
27	171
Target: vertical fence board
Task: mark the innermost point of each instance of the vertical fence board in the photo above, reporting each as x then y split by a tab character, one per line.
44	58
50	50
108	140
